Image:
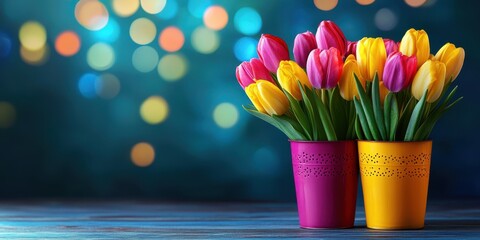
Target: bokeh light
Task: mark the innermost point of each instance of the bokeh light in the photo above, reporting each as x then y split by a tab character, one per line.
171	39
172	67
143	31
225	115
100	56
91	14
385	19
415	3
86	85
5	45
169	11
247	21
142	154
245	48
32	36
325	5
7	114
107	86
145	59
215	17
109	33
365	2
37	57
153	6
125	8
67	43
198	7
205	40
154	110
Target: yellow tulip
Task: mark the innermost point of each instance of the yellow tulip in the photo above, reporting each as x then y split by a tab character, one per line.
431	77
453	58
371	57
288	74
348	88
267	97
416	43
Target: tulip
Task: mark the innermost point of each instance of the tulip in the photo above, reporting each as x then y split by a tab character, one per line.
431	77
329	35
249	72
271	50
398	72
324	68
304	43
416	43
453	58
288	74
390	45
371	56
351	48
267	98
347	85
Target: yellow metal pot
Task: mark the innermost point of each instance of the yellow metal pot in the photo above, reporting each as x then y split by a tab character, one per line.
395	183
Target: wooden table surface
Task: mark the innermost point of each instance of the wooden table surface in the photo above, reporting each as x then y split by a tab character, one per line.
156	220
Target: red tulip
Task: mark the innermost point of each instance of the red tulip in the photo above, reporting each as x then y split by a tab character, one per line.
271	50
324	68
399	71
390	45
249	72
304	43
329	35
351	49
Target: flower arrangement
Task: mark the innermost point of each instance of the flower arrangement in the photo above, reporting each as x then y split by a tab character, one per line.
373	89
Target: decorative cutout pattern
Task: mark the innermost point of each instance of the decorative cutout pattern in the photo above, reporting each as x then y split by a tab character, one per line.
316	165
407	166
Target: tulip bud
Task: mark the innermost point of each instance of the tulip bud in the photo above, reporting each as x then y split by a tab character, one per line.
347	85
329	35
453	58
398	72
249	72
288	74
271	50
371	56
416	43
324	68
267	98
390	45
351	48
304	43
431	77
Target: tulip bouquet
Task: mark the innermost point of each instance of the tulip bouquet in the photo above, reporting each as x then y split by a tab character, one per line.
406	89
309	98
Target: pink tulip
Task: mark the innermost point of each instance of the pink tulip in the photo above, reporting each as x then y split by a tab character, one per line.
399	71
329	35
304	43
249	72
271	50
351	48
390	45
324	68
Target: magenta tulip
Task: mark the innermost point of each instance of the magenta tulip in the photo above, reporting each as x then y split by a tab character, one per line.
390	45
249	72
399	71
304	43
329	35
271	50
324	68
351	49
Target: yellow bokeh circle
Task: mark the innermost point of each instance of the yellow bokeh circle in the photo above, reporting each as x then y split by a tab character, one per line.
172	67
7	114
125	8
154	110
33	36
225	115
143	31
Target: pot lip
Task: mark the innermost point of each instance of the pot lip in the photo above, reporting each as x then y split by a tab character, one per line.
394	142
308	141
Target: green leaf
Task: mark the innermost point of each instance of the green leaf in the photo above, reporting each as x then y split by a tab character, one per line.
317	120
393	118
338	113
310	111
299	115
367	108
414	119
387	104
358	129
326	121
377	111
362	120
405	114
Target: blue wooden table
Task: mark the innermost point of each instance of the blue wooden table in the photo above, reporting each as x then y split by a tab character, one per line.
143	220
